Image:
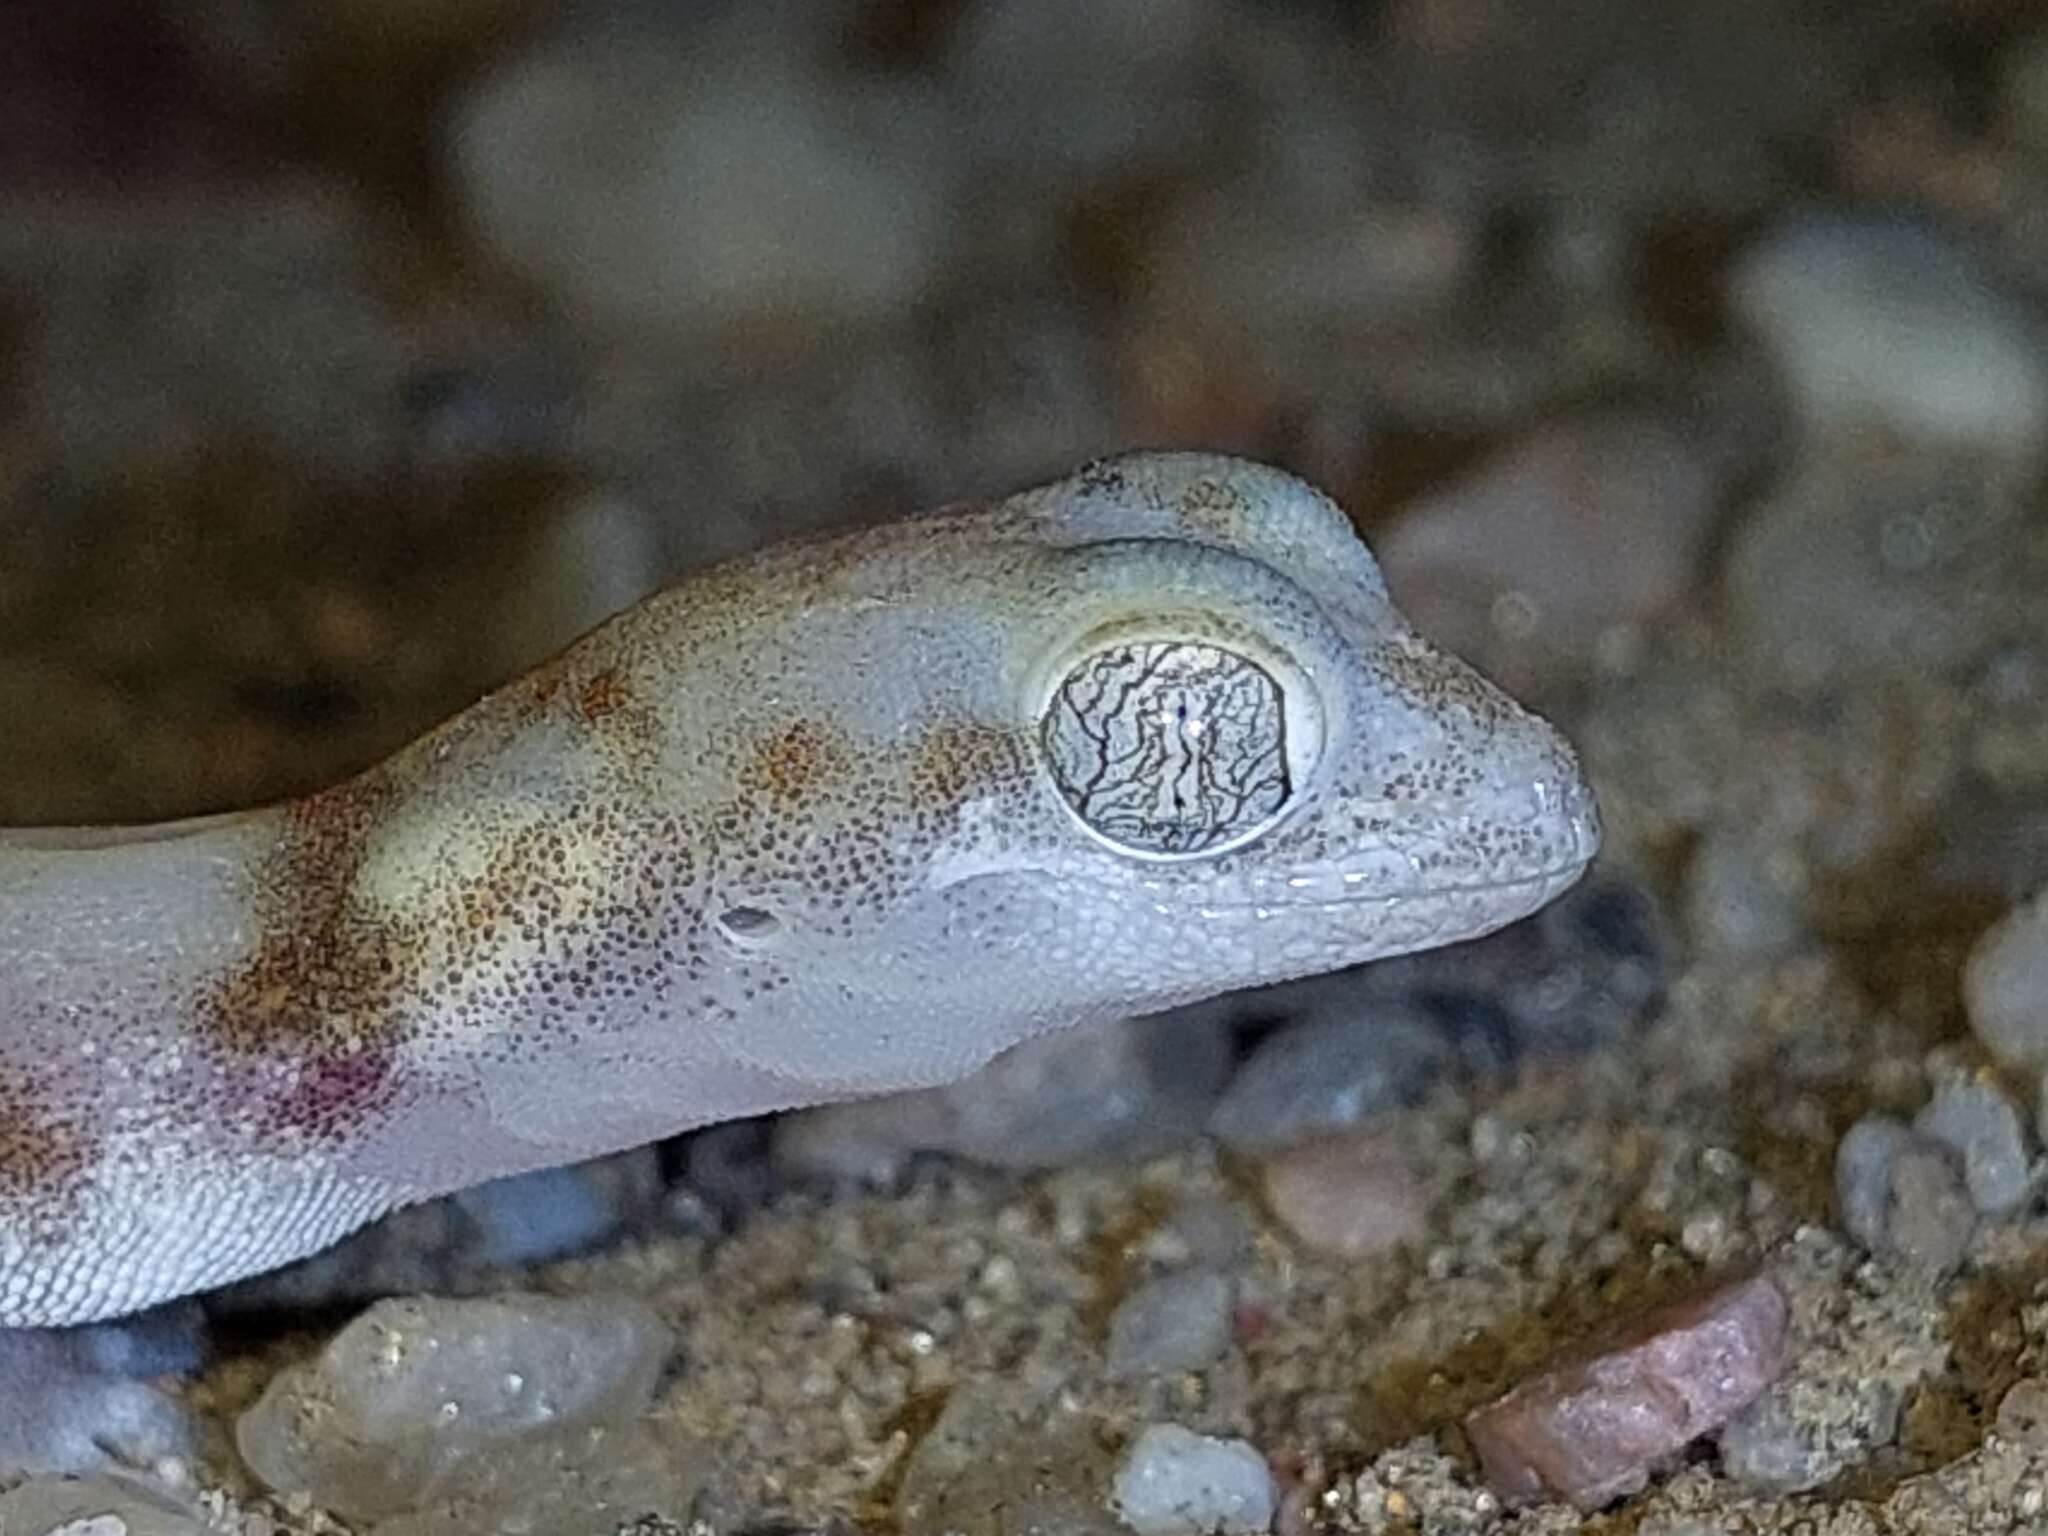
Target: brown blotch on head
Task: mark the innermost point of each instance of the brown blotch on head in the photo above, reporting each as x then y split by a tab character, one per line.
602	695
46	1146
957	760
542	687
796	763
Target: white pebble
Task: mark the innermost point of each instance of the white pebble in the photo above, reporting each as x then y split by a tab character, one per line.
1883	322
1981	1123
2005	986
415	1387
703	177
1178	1322
1174	1482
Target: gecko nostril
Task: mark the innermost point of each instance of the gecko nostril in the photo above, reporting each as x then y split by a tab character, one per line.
749	925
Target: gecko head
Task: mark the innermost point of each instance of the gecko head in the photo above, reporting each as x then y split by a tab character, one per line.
1211	754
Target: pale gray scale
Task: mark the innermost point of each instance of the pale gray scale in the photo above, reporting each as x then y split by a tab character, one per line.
1170	746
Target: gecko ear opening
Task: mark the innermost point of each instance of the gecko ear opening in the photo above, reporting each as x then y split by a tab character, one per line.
749	926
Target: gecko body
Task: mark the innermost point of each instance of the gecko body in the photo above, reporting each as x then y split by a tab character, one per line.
846	817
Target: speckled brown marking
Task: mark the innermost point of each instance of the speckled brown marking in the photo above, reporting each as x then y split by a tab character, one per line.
797	763
319	994
45	1154
602	696
956	760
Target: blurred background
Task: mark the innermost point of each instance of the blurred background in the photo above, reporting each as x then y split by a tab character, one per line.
354	354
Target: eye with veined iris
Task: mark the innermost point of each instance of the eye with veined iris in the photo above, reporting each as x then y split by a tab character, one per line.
1174	747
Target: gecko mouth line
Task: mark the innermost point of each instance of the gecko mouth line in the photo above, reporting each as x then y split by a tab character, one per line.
1302	900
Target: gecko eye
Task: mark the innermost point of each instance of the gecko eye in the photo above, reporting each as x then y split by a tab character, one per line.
1175	747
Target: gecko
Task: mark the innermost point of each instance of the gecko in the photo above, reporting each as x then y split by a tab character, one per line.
846	817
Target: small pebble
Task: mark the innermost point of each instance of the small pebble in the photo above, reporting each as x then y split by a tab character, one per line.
1177	1322
387	1413
1589	1429
1980	1122
94	1507
1174	1482
2023	1413
1902	1195
1352	1195
2005	986
1890	323
1767	1447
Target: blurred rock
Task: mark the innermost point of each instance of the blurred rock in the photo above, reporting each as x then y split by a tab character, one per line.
1902	1195
1981	1125
95	1507
1603	115
1994	847
1589	971
2023	92
1001	1461
1069	91
1126	1090
2005	986
68	1405
1353	1195
166	1340
2023	1413
1881	322
1331	1074
1746	894
1768	1447
383	1420
1590	1429
695	174
465	1241
1868	560
1174	1482
1586	526
243	315
1175	1322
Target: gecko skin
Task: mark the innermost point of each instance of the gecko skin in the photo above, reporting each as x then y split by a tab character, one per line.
843	818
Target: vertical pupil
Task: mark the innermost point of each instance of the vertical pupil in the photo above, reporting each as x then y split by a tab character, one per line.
1145	777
